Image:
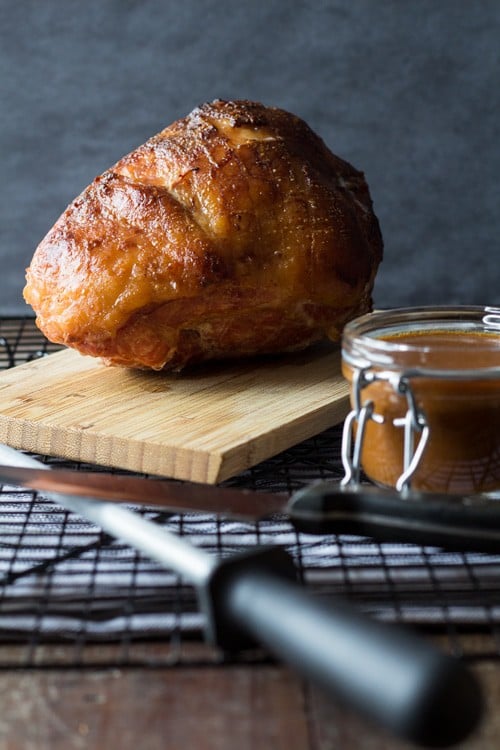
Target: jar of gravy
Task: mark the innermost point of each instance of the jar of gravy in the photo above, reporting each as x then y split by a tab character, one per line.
425	396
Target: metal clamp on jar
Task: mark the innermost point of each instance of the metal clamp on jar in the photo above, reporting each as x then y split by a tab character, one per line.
425	395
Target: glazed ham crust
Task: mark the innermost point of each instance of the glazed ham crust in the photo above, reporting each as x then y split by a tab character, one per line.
233	232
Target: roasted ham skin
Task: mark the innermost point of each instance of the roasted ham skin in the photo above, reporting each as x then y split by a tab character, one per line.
233	232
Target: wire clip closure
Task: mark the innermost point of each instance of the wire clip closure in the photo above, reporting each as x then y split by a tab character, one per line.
413	423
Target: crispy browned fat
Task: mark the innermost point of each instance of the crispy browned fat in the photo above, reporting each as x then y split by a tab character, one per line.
233	232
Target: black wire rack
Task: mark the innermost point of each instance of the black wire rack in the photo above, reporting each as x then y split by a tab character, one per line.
72	596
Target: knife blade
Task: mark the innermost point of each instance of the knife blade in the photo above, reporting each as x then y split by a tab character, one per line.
449	521
388	674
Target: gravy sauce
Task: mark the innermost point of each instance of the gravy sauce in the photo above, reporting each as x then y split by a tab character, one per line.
463	411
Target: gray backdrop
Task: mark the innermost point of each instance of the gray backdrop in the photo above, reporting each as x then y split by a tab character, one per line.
407	90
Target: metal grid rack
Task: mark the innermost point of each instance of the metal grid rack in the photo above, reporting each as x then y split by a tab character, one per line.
72	596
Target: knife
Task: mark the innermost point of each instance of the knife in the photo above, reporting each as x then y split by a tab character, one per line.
449	521
387	673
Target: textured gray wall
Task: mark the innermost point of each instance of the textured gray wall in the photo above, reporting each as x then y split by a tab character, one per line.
407	90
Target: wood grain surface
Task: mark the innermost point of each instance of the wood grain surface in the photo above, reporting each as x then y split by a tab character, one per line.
204	425
243	708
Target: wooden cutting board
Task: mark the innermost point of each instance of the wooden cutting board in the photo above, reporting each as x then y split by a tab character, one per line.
204	425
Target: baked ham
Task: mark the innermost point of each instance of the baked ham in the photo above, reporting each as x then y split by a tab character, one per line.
233	232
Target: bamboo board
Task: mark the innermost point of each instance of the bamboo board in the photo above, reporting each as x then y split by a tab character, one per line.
204	425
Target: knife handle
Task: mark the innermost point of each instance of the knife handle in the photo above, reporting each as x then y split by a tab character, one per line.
386	673
449	521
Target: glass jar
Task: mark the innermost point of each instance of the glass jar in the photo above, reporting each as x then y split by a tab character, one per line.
425	396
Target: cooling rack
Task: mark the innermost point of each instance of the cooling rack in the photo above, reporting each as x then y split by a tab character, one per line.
71	596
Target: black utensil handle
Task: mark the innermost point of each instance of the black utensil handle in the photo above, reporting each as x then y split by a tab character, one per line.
420	518
387	674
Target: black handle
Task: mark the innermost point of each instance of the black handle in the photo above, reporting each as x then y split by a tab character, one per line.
420	518
386	673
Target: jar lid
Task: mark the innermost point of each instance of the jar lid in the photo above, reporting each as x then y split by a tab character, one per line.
455	341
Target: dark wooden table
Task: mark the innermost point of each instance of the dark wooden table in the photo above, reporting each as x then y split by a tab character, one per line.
206	708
